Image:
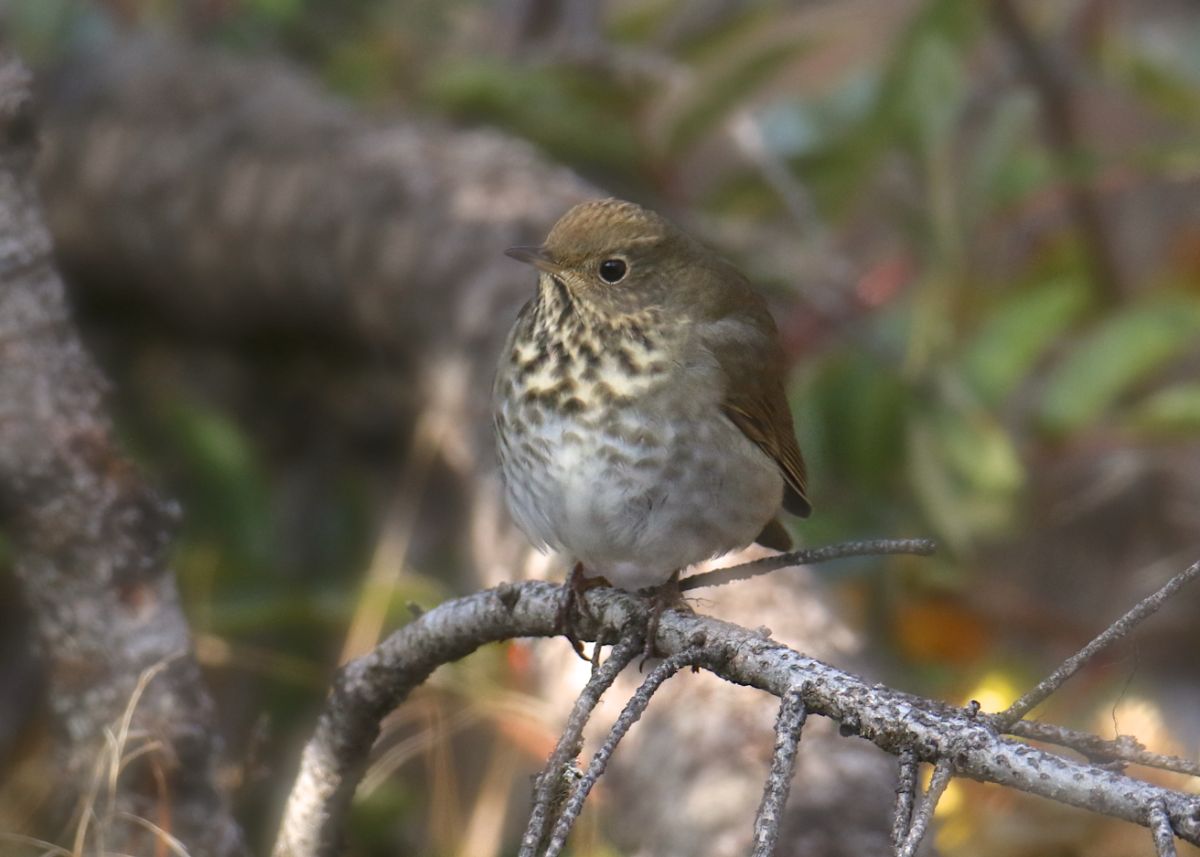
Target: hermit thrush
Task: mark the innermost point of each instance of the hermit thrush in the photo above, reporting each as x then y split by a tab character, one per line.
639	405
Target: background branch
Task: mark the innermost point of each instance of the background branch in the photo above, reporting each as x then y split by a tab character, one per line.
1110	635
91	540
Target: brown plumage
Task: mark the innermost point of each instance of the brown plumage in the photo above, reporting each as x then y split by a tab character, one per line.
640	411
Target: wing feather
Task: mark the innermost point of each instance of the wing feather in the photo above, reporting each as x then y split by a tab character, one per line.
779	445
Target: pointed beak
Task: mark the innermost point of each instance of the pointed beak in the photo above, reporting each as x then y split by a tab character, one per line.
536	256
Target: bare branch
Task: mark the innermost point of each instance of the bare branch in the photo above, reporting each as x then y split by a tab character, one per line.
629	715
1118	629
1160	826
809	556
1124	748
550	783
788	725
906	798
370	687
367	688
937	786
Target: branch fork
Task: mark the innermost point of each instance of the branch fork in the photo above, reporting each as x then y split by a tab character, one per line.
957	742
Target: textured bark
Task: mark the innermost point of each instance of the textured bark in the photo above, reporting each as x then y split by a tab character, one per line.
960	741
90	539
238	195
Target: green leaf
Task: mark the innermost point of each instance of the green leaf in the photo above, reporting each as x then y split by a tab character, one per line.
965	472
1171	90
228	495
1122	351
1017	333
852	426
276	11
581	117
717	97
934	92
639	23
1175	409
720	35
1003	165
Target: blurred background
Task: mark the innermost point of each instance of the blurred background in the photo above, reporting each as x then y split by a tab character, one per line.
978	224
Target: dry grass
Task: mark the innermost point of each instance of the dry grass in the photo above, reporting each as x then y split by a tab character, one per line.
97	815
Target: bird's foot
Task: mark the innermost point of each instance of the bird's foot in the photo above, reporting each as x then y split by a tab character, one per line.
667	596
573	600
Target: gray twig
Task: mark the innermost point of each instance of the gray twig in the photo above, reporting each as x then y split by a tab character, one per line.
789	723
906	798
629	715
1160	826
550	782
942	772
1124	748
1118	629
810	556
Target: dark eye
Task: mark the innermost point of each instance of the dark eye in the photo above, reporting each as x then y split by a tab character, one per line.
613	270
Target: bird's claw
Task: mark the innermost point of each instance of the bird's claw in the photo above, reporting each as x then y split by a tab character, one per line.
573	598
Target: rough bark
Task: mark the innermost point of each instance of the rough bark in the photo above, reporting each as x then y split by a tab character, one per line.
962	742
90	540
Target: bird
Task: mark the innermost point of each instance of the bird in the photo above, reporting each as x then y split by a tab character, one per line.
639	407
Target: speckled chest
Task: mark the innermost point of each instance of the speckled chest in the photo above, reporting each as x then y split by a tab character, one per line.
614	449
566	376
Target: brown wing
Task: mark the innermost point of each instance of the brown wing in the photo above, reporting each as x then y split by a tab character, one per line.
768	423
737	329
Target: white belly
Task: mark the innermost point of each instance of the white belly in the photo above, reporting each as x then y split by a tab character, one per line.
641	497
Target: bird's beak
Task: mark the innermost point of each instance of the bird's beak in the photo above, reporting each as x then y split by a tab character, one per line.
536	256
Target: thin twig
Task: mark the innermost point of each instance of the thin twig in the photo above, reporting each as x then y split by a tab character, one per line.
937	785
1111	634
788	725
629	715
906	798
810	556
1160	827
550	782
1125	748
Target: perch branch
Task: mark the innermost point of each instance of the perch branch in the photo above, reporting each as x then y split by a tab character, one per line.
808	556
788	725
371	686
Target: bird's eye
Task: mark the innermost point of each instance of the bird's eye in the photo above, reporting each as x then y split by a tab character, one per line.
613	270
